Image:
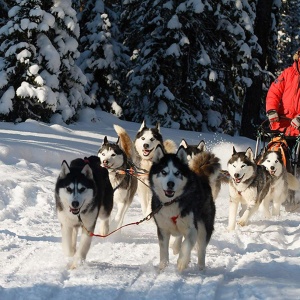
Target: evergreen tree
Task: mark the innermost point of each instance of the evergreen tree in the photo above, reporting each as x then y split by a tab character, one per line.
24	93
72	96
103	57
192	62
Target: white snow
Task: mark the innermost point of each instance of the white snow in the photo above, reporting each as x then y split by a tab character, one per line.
259	261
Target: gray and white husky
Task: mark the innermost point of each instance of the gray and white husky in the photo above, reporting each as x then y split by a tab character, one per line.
281	181
182	206
145	143
117	158
205	163
249	184
82	193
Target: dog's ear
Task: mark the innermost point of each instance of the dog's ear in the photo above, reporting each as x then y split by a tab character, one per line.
182	155
105	140
157	126
87	171
65	169
249	154
143	126
118	142
159	153
201	146
234	151
183	143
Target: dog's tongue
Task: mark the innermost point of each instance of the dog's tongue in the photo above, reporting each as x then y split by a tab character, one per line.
74	211
146	152
169	193
238	180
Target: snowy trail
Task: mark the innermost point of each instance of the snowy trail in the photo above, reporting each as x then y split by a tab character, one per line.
260	261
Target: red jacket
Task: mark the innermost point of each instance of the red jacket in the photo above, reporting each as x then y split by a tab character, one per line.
284	97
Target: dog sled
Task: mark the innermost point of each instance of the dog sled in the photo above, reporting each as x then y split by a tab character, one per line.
289	146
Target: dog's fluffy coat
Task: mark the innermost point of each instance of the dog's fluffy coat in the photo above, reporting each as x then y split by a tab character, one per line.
84	189
145	143
249	185
192	212
117	158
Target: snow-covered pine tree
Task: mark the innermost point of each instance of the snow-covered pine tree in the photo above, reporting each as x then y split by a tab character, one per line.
192	61
103	58
24	91
72	81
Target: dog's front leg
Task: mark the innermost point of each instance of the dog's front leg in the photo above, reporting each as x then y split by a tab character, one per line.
163	239
186	248
251	209
84	246
233	206
68	240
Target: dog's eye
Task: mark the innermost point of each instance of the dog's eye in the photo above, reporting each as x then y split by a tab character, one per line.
152	139
163	172
142	138
113	155
243	166
177	173
81	190
69	190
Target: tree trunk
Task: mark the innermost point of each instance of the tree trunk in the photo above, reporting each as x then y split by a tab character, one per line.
252	105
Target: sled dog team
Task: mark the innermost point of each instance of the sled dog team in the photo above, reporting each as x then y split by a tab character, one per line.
177	187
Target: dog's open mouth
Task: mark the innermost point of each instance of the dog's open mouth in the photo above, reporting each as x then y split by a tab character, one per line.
238	180
272	172
169	193
74	211
146	152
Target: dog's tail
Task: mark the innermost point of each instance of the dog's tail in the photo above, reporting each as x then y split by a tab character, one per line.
125	141
293	182
170	146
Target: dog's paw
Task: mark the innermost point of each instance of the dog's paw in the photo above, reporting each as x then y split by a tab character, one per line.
182	264
242	222
162	265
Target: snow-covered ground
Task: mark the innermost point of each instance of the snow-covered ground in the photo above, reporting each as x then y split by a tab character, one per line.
259	261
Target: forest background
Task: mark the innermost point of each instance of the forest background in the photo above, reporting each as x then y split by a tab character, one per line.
199	65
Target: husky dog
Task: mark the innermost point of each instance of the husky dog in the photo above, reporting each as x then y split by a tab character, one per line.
82	193
281	181
145	143
249	184
117	157
204	163
182	206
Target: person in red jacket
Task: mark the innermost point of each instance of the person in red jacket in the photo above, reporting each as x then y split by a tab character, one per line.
283	100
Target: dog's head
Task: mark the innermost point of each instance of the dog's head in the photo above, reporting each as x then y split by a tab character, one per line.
241	165
169	174
193	150
111	155
146	140
272	161
75	187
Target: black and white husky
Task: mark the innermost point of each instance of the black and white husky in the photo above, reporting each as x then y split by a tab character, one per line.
281	182
182	206
117	158
249	185
82	193
145	143
205	163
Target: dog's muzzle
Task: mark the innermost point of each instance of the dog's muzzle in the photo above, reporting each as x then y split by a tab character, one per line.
238	179
169	193
147	152
75	209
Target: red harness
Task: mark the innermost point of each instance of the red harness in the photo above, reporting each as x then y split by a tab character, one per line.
174	219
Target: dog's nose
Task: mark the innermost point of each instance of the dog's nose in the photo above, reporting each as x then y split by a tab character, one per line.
146	146
170	184
75	204
272	168
236	175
